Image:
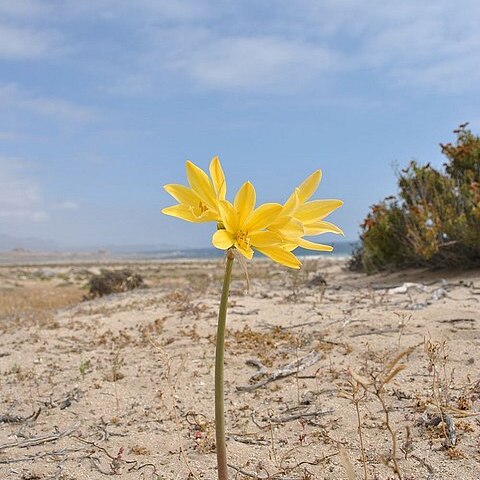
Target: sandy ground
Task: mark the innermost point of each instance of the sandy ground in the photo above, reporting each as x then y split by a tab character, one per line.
123	385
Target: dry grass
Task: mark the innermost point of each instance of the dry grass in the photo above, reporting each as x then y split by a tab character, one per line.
34	305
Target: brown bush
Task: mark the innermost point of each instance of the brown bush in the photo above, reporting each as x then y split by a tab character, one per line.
113	281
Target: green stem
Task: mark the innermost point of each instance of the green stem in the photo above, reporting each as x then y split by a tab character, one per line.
219	359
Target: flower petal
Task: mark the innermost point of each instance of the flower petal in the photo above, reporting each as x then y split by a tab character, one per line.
208	216
247	252
245	202
316	210
288	227
291	205
262	217
279	255
201	184
218	178
222	239
265	239
229	216
309	185
314	246
181	211
317	228
182	194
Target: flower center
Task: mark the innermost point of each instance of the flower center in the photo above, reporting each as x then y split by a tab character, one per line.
201	208
242	240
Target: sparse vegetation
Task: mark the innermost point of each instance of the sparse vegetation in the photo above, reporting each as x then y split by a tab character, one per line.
132	368
85	366
34	305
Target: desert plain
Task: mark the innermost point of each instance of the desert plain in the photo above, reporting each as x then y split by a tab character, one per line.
329	374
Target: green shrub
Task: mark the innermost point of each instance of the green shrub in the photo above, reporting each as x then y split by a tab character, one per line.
435	218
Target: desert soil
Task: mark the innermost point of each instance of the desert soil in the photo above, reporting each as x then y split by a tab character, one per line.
122	385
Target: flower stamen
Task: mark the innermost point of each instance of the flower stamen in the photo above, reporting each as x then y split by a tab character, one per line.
202	207
242	240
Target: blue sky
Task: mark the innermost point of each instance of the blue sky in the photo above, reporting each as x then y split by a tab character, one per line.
102	102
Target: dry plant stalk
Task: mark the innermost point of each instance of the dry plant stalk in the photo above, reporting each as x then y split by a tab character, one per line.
375	384
167	362
404	319
272	437
347	464
436	353
356	393
116	363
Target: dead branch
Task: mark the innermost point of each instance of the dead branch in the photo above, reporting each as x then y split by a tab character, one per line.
285	473
249	441
448	420
248	474
30	442
457	320
296	416
423	462
284	371
8	418
65	400
249	312
36	456
115	461
262	369
375	332
289	327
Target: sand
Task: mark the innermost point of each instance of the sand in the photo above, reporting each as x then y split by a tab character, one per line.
123	385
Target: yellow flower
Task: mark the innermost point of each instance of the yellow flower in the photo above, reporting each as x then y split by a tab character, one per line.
300	217
245	228
199	202
272	229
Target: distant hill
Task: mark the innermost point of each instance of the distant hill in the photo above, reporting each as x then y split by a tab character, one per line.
9	243
34	244
140	248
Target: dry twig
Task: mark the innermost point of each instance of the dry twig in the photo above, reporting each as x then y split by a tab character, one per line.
30	442
8	418
284	371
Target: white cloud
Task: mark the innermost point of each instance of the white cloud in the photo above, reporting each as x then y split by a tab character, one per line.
237	46
183	57
20	43
255	63
20	195
429	44
133	11
152	46
58	108
445	76
67	205
23	8
13	97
